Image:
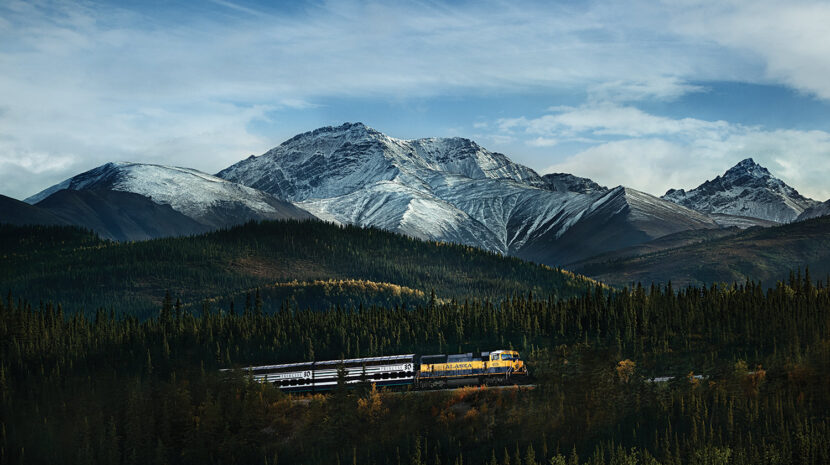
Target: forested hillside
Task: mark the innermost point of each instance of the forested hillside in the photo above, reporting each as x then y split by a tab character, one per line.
67	265
108	390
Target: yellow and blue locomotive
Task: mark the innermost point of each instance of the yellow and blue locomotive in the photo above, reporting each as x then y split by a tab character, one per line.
497	367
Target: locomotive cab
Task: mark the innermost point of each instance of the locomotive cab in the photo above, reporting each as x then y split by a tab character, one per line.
506	361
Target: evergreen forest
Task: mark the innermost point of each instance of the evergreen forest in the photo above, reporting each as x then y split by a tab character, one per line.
726	374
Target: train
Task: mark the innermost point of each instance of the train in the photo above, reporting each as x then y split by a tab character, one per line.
425	372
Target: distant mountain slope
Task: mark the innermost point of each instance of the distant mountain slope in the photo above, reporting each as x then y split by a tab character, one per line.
204	198
746	189
822	209
670	241
13	211
766	254
621	218
120	216
63	265
445	189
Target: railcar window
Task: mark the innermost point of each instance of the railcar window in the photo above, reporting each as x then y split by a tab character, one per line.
505	356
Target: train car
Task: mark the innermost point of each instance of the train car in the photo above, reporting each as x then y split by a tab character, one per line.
497	367
433	371
391	370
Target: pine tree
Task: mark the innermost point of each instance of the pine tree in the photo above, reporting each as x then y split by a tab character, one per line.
530	457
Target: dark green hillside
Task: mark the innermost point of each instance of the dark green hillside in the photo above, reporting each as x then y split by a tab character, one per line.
758	254
67	265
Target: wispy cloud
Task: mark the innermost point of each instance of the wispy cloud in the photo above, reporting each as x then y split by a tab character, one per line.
609	119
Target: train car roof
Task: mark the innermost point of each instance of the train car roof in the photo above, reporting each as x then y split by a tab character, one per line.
348	361
386	358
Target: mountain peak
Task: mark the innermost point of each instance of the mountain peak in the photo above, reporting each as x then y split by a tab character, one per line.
747	189
346	130
333	161
747	167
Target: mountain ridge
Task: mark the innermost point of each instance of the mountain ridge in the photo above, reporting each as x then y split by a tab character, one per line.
444	189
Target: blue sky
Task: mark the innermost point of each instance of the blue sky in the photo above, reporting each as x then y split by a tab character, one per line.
652	95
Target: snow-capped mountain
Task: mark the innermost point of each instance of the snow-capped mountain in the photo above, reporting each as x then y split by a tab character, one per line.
333	161
209	200
354	174
747	189
822	209
451	190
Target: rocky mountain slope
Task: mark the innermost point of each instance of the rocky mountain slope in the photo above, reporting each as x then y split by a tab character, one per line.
621	218
564	182
453	190
822	209
747	189
210	201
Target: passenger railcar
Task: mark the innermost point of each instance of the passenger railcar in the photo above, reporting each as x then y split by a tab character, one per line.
320	376
429	371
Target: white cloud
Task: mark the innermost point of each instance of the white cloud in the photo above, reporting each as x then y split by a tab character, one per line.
653	153
789	38
661	88
609	119
542	142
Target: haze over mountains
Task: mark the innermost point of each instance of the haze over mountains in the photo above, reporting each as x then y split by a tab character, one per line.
445	189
